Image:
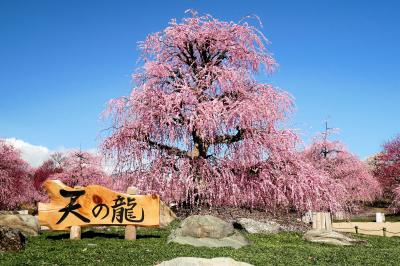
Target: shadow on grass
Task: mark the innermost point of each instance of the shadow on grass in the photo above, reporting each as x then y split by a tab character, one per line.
91	234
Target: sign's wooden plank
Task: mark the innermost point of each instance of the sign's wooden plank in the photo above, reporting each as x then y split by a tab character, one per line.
96	205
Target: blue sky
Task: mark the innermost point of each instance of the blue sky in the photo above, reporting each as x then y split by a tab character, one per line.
61	61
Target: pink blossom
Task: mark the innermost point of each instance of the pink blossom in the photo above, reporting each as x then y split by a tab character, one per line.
16	185
198	127
79	168
344	168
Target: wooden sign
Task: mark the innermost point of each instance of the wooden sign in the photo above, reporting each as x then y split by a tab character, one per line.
96	205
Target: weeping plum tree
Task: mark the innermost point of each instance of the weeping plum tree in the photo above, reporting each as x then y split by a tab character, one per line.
199	129
387	170
344	168
388	166
15	178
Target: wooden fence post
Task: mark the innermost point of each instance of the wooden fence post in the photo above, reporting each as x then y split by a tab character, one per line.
314	220
322	221
75	232
380	217
328	221
130	230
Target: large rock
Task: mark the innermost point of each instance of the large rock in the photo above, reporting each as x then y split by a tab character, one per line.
205	226
236	241
26	223
207	231
255	227
166	215
329	237
11	239
191	261
8	212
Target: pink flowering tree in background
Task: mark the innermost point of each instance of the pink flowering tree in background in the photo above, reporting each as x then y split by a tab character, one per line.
48	168
200	130
16	185
395	206
74	168
387	170
345	168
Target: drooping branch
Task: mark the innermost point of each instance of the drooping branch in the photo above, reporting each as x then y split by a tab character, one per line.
170	150
228	139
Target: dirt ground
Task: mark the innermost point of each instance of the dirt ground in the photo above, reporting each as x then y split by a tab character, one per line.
388	229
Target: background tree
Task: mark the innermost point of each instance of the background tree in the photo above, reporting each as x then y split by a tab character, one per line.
387	170
48	168
15	178
198	128
345	168
73	168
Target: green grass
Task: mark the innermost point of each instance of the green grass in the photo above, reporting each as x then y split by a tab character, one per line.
151	247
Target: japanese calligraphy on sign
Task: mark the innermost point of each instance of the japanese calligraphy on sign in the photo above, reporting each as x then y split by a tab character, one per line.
96	205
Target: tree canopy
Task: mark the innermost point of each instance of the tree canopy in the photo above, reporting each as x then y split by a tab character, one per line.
74	168
346	169
15	178
387	170
198	126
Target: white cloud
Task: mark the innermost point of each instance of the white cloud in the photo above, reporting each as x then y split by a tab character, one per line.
35	155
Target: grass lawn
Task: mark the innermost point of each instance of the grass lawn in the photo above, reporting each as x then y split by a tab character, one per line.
109	248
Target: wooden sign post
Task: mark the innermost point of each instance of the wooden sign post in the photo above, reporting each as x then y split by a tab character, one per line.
130	230
72	208
322	221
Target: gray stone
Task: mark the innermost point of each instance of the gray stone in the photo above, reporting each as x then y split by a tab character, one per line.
11	239
166	215
191	261
207	231
8	212
26	223
329	237
255	227
44	228
23	212
205	226
236	241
